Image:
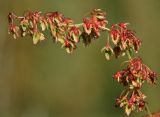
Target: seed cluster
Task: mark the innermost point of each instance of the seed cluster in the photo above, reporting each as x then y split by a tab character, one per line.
135	74
62	29
133	77
121	41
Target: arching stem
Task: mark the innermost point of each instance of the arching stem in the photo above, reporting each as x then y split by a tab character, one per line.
148	111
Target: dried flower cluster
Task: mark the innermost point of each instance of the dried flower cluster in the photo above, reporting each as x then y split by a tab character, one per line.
133	77
135	74
121	41
124	42
62	29
92	26
131	100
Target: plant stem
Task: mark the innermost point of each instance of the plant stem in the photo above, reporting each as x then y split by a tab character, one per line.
148	111
128	54
147	108
106	29
79	25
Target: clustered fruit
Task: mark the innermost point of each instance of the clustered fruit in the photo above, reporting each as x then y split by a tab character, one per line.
132	78
62	29
121	41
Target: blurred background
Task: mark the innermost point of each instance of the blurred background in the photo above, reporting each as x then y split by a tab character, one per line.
44	81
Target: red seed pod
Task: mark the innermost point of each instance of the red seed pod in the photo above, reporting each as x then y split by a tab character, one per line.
67	43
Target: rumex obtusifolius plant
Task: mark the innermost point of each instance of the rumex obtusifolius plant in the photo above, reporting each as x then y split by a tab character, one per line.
121	41
62	29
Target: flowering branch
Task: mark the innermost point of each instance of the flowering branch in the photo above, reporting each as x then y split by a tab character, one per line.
62	29
121	41
135	74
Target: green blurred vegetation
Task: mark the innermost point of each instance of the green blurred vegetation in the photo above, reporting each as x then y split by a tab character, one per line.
43	81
